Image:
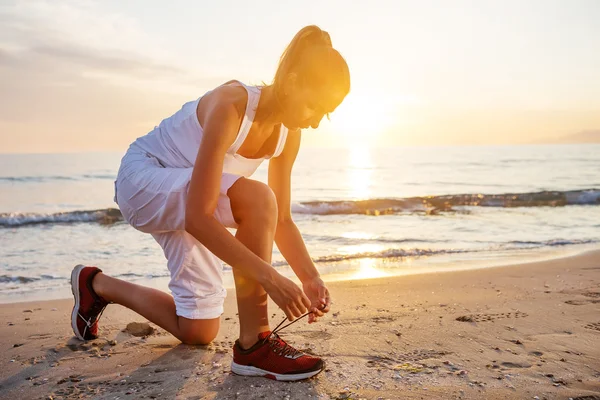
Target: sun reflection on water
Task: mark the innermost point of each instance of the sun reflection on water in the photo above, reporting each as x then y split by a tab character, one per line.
359	172
368	270
361	248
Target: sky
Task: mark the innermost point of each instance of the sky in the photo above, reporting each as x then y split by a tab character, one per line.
94	75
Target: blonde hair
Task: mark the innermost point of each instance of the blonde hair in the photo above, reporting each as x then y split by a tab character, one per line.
316	63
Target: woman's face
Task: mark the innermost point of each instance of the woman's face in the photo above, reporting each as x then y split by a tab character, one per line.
305	107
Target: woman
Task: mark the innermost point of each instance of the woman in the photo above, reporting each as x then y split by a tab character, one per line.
186	181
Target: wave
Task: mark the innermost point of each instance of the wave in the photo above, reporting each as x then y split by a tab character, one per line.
133	275
19	279
375	239
432	205
429	205
103	216
390	253
395	253
38	179
546	243
26	279
387	253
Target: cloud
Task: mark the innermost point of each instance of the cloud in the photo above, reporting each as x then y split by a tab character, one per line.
75	77
76	38
74	59
80	38
87	23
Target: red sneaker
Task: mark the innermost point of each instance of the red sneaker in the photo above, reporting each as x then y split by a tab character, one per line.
88	305
273	358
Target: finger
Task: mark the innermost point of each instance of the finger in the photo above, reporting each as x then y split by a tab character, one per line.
323	294
301	306
305	301
289	314
295	311
327	303
311	318
316	312
327	298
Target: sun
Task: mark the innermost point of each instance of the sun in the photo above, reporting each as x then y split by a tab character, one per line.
362	116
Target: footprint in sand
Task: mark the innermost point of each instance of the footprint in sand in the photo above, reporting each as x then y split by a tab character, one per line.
315	335
379	319
382	319
593	297
595	326
515	365
410	357
490	317
40	336
582	302
421	354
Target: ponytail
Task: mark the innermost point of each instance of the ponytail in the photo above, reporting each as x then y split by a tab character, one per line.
310	45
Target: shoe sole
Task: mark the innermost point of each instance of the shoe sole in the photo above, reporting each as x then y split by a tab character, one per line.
247	370
75	291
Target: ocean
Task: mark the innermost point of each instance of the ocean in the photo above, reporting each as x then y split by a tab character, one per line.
363	212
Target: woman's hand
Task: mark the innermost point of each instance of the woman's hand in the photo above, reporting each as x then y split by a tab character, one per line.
318	294
288	296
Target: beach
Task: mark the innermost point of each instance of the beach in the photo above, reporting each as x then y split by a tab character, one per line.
444	184
513	332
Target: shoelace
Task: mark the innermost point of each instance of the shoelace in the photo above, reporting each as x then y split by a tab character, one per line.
93	310
280	345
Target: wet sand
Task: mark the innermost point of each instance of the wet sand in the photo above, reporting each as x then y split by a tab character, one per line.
513	332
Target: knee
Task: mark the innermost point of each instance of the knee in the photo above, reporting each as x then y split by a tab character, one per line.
199	332
265	205
254	201
201	339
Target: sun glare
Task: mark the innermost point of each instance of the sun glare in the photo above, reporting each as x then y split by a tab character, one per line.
360	248
362	116
359	172
368	270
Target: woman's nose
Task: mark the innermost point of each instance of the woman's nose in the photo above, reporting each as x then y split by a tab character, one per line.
316	121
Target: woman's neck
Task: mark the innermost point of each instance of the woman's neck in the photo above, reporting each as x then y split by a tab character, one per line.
269	110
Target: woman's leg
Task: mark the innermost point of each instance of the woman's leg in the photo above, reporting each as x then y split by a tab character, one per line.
156	306
254	208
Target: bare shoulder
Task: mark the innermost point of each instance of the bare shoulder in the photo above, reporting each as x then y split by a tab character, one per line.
228	100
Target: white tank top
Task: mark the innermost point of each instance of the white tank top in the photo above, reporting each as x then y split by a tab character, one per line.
176	141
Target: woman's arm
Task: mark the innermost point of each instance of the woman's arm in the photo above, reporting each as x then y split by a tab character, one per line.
287	236
220	120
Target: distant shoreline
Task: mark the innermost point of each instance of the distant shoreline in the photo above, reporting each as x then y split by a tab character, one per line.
548	142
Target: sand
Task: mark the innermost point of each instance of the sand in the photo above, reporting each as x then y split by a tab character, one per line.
516	332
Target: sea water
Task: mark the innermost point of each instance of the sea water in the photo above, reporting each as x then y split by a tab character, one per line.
363	212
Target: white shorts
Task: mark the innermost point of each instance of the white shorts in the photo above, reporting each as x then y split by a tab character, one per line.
153	200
